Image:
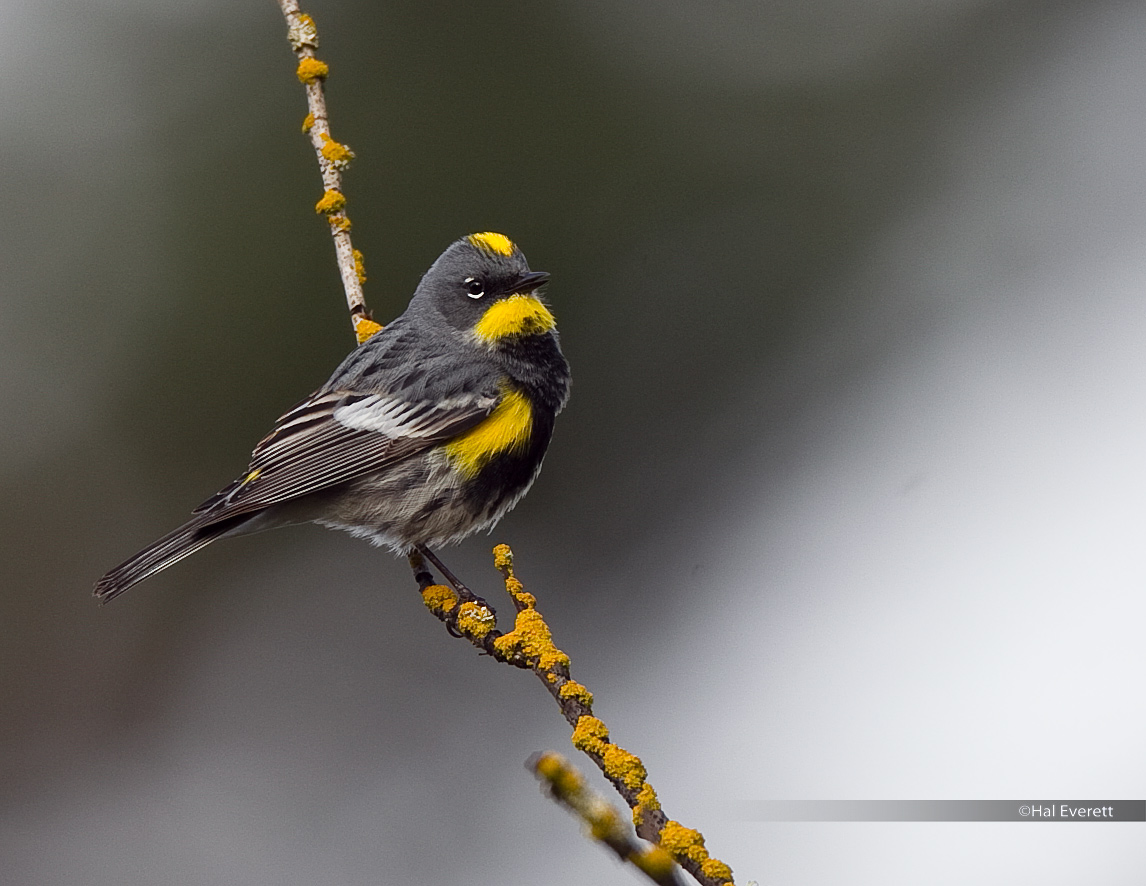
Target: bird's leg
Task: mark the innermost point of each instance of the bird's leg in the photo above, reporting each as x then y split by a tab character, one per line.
422	575
425	578
464	593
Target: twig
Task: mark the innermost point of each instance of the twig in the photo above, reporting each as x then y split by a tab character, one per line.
565	785
530	646
333	159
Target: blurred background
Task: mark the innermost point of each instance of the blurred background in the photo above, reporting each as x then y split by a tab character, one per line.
848	502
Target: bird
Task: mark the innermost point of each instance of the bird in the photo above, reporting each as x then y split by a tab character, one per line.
429	431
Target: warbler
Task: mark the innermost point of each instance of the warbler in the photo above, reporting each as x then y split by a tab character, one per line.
429	431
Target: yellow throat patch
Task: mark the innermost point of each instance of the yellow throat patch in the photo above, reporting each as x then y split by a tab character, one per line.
507	428
516	315
491	242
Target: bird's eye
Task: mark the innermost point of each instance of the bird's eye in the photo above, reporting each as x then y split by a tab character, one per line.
474	288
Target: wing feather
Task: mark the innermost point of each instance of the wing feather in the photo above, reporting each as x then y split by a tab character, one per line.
334	436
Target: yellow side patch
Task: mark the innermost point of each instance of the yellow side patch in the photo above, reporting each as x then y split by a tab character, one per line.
508	427
516	315
492	242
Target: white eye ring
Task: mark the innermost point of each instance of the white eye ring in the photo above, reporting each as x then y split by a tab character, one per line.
474	287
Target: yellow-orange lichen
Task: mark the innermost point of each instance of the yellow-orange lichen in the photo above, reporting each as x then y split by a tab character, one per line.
571	689
647	802
532	639
564	779
685	843
715	869
502	557
475	621
625	767
439	599
655	862
338	154
302	32
365	329
311	69
603	820
332	201
590	735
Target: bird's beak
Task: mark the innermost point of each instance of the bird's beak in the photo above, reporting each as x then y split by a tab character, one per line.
529	281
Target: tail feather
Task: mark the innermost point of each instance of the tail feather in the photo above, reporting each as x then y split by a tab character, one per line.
173	547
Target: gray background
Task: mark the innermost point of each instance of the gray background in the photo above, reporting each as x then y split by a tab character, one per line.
848	502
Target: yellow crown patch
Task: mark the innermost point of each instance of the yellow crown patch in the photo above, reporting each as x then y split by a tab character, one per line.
492	242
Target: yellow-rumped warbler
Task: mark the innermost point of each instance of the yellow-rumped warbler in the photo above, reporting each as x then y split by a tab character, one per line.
429	431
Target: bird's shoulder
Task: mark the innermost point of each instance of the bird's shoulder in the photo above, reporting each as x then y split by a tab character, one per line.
385	402
407	361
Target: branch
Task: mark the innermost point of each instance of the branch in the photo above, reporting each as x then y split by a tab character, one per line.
530	646
333	159
566	786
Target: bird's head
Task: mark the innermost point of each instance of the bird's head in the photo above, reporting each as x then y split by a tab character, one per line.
482	284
